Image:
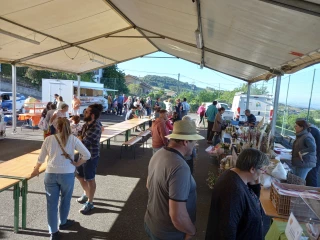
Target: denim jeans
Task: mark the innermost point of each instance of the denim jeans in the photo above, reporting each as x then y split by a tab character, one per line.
55	184
150	235
301	172
153	237
312	177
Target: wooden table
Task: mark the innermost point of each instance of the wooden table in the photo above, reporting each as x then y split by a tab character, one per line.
20	169
267	205
126	126
6	183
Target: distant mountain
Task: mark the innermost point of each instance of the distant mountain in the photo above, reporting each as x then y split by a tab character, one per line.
170	83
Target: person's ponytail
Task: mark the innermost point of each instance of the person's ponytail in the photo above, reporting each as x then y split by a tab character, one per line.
64	129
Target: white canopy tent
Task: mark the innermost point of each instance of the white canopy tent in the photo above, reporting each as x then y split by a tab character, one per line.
251	40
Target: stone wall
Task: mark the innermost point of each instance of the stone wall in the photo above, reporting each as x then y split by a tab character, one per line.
23	88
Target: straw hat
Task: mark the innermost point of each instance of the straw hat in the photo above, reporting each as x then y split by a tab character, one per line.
185	130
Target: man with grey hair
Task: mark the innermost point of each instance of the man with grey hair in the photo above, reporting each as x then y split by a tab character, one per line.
171	209
235	211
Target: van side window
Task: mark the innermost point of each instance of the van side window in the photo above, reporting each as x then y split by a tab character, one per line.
5	97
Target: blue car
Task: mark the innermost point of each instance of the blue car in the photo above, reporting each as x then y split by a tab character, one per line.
6	103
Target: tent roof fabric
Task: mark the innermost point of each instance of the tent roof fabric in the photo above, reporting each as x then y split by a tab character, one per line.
251	40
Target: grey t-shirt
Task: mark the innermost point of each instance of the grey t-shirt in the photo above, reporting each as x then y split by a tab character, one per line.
169	178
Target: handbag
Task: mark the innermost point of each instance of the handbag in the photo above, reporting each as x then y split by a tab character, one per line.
43	125
65	154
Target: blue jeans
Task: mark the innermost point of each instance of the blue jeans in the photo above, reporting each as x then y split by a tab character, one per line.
153	237
301	172
150	235
312	177
55	184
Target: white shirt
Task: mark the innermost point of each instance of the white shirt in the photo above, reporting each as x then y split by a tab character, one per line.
57	163
168	106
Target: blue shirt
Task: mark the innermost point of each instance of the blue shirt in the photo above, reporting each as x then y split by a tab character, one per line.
120	99
211	112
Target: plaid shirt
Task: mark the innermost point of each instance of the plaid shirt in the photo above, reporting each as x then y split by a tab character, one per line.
91	134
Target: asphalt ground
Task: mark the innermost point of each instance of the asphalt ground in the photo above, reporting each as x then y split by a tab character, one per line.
120	199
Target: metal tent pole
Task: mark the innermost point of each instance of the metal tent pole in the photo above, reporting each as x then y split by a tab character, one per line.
285	108
275	104
78	90
248	95
14	98
314	74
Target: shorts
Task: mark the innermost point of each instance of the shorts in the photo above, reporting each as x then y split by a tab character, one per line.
88	169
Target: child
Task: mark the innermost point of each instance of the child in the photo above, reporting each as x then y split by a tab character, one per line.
75	125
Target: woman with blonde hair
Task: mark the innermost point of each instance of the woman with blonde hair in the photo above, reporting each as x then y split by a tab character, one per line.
59	176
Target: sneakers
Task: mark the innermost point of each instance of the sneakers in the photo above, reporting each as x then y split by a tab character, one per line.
55	236
87	207
68	224
82	199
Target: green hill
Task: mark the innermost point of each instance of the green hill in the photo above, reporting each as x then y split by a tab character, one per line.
170	83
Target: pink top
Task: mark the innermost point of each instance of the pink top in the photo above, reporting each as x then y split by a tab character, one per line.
201	110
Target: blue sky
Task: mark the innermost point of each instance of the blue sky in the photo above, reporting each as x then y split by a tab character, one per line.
299	90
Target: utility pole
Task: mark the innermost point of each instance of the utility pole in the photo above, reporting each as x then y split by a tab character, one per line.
314	74
178	83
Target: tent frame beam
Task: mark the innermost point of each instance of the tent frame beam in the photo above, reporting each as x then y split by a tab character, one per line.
115	8
202	63
134	37
243	79
68	45
297	5
104	66
257	65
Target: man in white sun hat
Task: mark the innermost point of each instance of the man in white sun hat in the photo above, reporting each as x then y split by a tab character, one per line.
171	210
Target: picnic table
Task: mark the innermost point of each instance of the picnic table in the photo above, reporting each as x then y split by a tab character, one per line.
18	170
125	126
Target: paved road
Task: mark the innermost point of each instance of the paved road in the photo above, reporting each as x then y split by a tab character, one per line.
120	199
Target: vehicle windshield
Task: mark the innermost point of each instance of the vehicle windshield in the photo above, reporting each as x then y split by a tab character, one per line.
225	106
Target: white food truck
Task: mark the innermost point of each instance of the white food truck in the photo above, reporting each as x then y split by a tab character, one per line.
90	92
259	105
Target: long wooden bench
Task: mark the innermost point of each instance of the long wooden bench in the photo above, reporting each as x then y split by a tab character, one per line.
132	144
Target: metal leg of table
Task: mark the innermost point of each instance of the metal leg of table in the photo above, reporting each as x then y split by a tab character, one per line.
128	132
108	143
144	126
24	192
16	196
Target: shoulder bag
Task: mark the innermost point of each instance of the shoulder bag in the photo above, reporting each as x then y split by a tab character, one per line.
65	154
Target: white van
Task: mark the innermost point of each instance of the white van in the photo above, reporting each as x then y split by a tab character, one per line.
228	113
259	105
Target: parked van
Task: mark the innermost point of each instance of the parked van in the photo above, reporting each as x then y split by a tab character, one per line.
7	101
259	105
227	115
